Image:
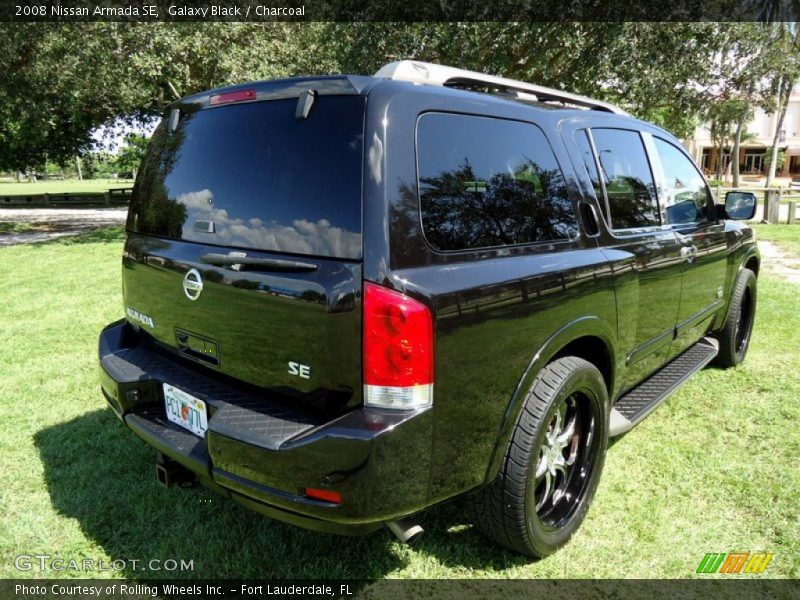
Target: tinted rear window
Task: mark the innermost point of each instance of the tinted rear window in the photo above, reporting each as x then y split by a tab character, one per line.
253	176
486	182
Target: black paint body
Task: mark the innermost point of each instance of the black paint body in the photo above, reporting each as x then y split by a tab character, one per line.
627	302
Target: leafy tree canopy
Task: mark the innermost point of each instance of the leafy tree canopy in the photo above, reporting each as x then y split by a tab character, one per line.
61	80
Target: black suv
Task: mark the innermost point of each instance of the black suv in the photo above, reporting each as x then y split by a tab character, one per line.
350	298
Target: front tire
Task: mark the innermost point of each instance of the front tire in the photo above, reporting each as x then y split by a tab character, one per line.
734	337
553	463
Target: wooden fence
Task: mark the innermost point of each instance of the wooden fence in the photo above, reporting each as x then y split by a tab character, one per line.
111	197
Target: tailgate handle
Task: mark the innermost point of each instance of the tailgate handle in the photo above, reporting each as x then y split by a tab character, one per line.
263	264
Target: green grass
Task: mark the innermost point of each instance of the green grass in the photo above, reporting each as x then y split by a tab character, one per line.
786	237
714	469
72	186
20	227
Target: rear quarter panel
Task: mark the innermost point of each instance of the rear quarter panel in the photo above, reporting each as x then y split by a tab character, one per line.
498	313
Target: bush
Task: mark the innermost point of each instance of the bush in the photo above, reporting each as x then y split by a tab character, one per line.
779	162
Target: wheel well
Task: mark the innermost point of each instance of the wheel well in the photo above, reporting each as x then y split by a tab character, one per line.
752	264
594	350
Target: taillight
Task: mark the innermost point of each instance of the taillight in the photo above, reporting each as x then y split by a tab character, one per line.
237	96
398	350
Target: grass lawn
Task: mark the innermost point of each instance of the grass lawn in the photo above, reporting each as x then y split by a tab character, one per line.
712	470
28	227
20	227
786	237
61	187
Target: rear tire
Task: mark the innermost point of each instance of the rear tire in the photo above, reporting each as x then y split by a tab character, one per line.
734	337
553	463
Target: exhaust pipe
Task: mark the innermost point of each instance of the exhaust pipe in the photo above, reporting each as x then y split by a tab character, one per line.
406	530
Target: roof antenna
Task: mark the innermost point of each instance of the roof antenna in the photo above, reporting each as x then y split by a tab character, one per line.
304	104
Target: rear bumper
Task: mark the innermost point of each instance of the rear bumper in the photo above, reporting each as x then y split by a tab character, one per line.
263	454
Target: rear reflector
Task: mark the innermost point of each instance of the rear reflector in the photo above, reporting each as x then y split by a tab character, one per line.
237	96
398	350
324	495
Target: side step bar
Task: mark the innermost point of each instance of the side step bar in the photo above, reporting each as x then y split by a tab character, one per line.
635	405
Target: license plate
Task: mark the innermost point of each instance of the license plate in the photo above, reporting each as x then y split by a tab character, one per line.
185	410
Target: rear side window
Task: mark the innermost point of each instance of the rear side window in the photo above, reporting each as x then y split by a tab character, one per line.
487	182
253	176
628	179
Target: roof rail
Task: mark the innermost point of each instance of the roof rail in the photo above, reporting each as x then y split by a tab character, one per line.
422	72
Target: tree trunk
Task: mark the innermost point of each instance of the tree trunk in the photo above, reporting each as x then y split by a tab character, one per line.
728	168
737	141
78	164
783	104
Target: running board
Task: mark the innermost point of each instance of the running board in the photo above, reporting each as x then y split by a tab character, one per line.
639	402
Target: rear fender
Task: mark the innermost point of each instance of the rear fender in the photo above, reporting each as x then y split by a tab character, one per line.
589	326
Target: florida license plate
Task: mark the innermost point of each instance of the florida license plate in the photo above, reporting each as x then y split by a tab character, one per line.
185	410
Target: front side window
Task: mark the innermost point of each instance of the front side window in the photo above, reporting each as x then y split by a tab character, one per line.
486	182
628	179
685	196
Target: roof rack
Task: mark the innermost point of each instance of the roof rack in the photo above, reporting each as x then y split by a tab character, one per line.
422	72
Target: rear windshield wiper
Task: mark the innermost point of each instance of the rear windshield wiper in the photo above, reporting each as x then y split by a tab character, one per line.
262	264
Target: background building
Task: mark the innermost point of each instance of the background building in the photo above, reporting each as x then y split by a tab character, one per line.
753	151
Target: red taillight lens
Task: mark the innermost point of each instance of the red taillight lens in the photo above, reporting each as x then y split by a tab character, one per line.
398	349
324	495
237	96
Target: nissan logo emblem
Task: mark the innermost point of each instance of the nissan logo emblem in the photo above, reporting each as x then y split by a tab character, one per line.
192	284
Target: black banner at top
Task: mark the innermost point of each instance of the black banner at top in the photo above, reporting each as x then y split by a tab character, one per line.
398	10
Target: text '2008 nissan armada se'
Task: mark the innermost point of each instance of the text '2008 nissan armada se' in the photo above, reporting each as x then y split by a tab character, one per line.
350	298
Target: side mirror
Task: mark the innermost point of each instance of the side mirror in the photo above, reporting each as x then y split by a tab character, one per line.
740	206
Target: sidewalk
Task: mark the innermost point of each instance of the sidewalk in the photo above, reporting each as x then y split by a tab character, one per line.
57	222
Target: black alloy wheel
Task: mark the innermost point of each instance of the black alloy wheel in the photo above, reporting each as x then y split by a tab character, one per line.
553	462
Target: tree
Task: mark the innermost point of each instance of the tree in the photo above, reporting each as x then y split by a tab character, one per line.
785	60
61	80
780	160
132	153
657	71
727	122
720	128
740	137
662	72
39	116
739	66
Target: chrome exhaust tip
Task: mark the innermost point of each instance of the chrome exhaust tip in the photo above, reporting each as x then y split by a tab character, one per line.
406	530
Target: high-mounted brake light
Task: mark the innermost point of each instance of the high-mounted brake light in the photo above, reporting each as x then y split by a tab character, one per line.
237	96
398	350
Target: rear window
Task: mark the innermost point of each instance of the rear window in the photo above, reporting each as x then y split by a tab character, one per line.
254	176
486	182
